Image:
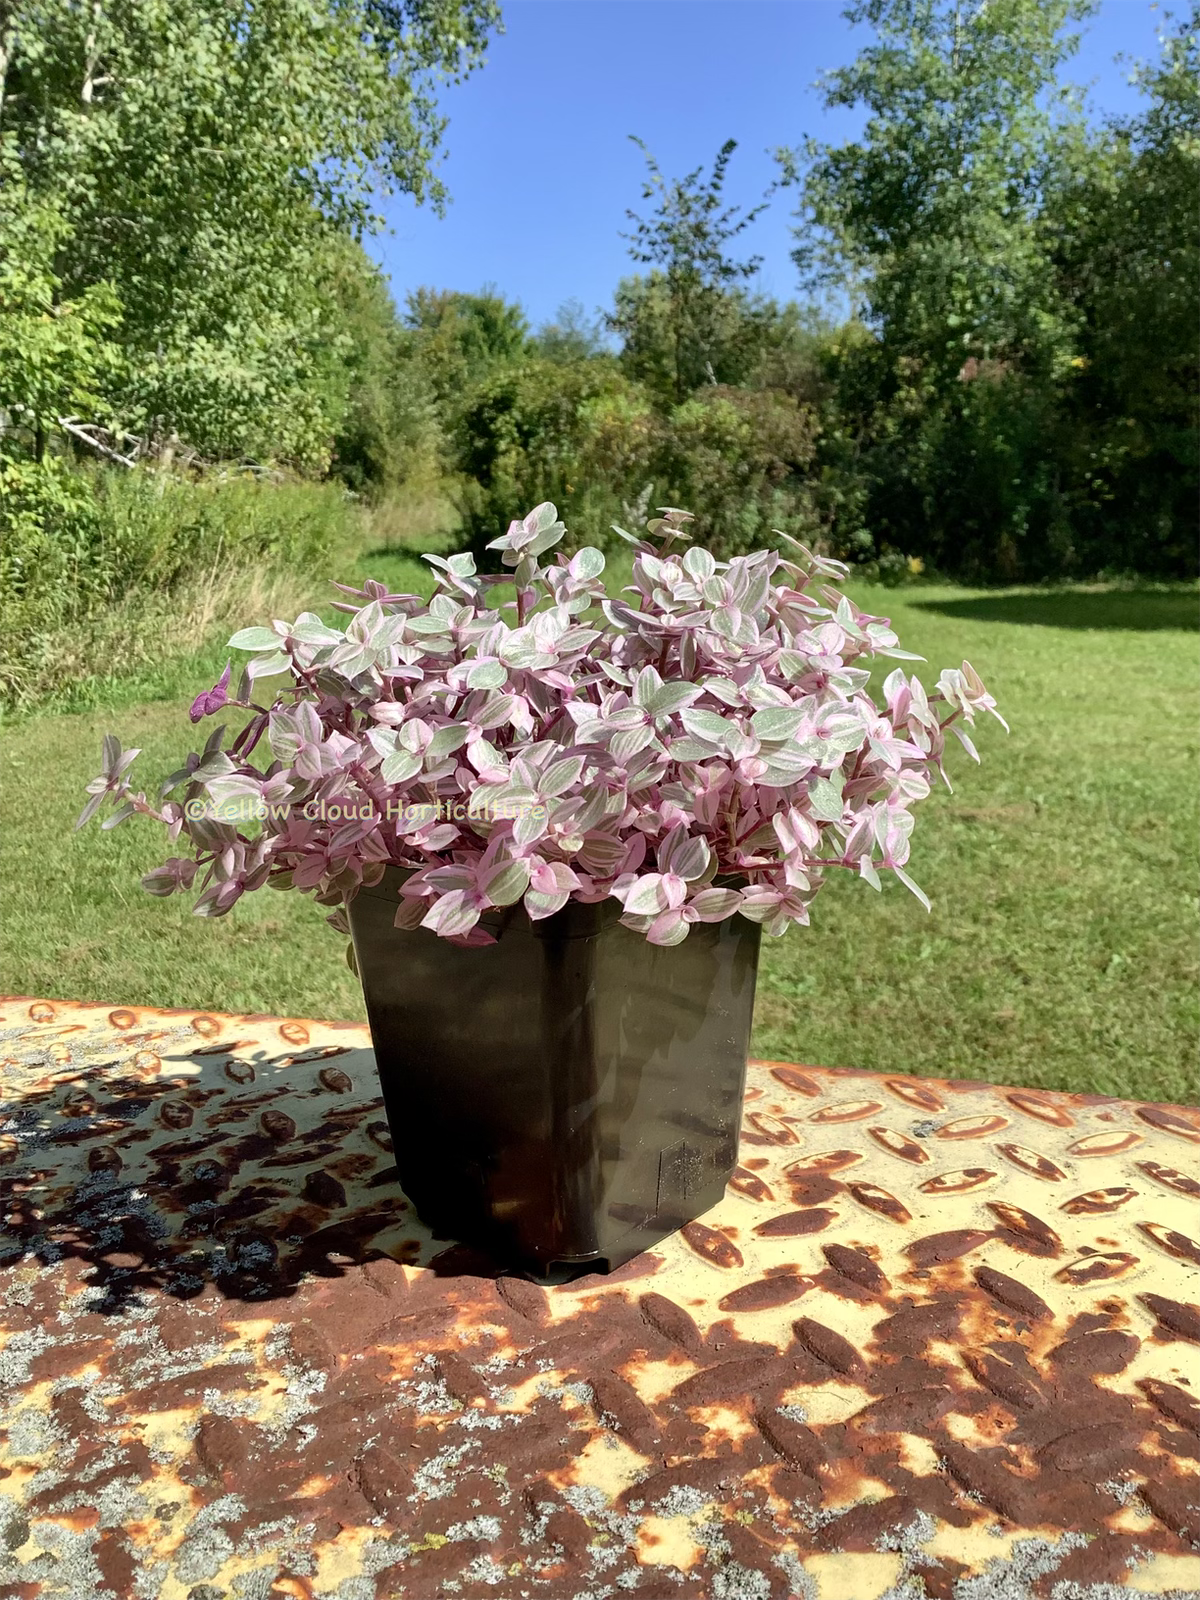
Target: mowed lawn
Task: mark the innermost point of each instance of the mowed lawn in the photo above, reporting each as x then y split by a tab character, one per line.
1062	946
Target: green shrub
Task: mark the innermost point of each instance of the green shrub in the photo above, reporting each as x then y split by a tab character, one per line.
91	560
742	454
587	437
577	433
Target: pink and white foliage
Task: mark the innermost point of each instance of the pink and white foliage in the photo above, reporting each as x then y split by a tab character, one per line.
701	744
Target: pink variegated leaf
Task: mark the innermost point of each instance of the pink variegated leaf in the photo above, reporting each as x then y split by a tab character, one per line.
717	719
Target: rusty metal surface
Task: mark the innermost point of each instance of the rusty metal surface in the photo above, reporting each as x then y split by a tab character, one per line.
939	1338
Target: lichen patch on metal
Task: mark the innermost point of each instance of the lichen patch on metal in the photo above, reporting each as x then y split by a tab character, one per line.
939	1338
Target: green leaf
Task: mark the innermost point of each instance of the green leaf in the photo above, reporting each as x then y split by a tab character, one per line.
487	675
708	725
587	563
270	666
672	697
255	639
400	766
309	629
777	722
444	741
508	884
826	800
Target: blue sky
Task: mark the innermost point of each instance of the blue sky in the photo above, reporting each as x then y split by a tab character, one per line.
540	169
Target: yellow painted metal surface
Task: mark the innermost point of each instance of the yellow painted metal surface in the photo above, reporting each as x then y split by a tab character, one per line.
938	1337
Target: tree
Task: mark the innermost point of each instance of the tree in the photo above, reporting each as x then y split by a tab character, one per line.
572	336
203	158
685	241
1126	238
386	428
751	339
934	223
462	338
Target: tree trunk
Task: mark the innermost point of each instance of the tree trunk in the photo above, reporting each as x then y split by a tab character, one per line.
8	36
91	55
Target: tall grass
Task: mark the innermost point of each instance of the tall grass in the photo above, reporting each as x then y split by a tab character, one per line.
105	574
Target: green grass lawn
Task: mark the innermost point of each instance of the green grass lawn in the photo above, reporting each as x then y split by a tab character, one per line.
1062	946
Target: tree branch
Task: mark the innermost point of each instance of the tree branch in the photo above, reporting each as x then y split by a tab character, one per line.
78	431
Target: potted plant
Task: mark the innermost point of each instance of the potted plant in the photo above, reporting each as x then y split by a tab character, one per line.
555	822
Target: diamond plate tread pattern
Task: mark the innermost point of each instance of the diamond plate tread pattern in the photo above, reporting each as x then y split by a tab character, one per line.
939	1338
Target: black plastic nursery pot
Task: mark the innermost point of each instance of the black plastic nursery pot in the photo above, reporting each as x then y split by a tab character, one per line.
565	1097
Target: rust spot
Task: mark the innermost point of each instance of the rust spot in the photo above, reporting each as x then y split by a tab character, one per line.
1089	1447
879	1200
1025	1230
147	1064
986	1477
915	1094
671	1320
103	1158
526	1299
1174	1315
620	1401
122	1018
1011	1294
323	1189
827	1345
1097	1201
42	1011
1098	1268
899	1144
778	1289
795	1080
792	1224
769	1130
855	1266
1004	1379
1105	1144
1181	1182
749	1184
811	1188
713	1246
939	1247
905	1412
792	1440
1173	1402
1186	1126
847	1111
239	1072
972	1127
1174	1243
866	1526
960	1182
1174	1504
1106	1350
384	1483
1032	1162
380	1134
277	1125
206	1027
293	1032
175	1114
826	1161
719	1384
1036	1105
334	1079
9	1149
